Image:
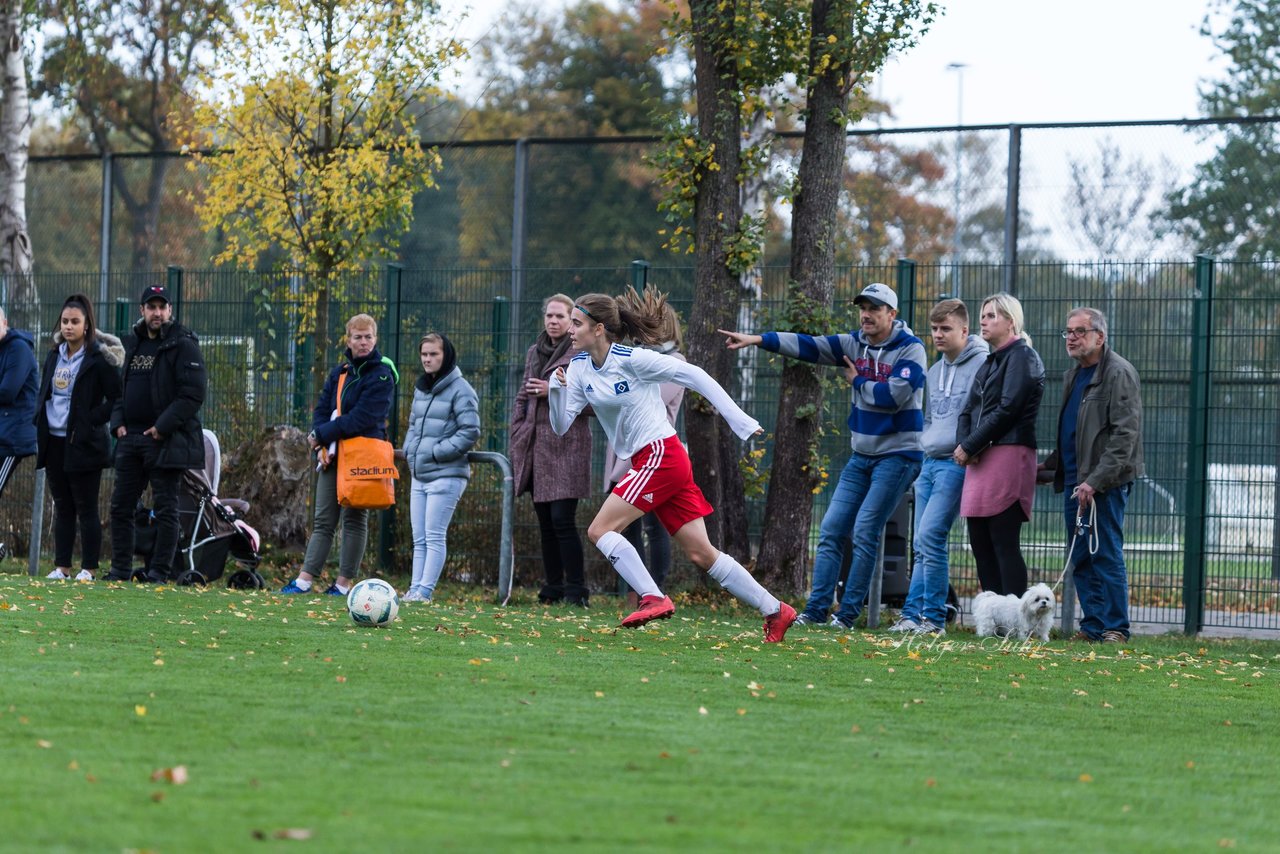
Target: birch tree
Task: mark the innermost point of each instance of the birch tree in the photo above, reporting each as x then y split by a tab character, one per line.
15	136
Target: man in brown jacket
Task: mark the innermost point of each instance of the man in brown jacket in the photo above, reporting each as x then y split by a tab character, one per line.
1099	456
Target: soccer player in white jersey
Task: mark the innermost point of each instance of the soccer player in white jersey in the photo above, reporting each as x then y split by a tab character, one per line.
621	385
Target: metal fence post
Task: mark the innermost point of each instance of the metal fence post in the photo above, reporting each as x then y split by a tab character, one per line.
640	274
387	533
104	251
174	286
906	288
1011	199
37	523
124	320
500	318
514	370
1193	542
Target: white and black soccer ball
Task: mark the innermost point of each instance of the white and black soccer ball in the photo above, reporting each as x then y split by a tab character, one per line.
373	602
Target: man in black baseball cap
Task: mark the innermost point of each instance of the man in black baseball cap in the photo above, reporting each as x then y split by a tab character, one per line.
156	423
151	292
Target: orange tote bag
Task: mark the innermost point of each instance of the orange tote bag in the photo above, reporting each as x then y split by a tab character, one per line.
367	470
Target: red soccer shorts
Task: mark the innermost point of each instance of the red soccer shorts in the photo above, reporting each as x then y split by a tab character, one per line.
661	481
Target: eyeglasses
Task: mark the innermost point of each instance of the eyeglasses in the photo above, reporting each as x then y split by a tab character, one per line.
1078	332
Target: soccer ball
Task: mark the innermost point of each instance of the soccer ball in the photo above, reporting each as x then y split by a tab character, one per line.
373	602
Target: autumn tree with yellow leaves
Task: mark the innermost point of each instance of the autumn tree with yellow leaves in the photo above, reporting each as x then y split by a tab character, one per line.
742	48
306	138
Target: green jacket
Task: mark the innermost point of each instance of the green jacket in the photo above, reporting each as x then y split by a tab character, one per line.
1108	427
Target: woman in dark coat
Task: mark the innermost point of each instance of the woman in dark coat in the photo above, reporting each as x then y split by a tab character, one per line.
996	432
556	469
79	386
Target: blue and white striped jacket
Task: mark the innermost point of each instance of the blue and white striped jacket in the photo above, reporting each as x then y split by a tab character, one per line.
887	416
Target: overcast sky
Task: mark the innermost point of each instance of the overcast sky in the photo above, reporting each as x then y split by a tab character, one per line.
1033	61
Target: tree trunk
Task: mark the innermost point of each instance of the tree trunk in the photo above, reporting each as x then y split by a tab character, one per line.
320	357
784	546
713	447
15	134
144	214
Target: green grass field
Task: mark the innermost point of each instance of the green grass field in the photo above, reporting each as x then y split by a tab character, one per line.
469	727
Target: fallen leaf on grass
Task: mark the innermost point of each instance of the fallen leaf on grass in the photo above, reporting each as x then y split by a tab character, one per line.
702	710
1086	778
298	833
177	775
930	783
157	796
45	744
140	711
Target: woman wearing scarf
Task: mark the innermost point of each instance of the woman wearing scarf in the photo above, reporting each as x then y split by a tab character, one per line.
556	469
443	425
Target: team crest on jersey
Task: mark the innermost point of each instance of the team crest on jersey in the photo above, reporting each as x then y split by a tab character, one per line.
905	373
621	388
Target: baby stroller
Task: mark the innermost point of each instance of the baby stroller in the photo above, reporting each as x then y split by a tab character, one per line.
211	530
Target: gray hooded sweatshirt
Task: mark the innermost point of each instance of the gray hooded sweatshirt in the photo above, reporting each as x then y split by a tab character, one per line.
946	390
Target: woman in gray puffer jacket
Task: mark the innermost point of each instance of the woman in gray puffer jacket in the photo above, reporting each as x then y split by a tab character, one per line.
443	425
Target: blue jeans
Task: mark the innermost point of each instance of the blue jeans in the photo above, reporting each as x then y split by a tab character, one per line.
1102	583
431	506
937	500
866	495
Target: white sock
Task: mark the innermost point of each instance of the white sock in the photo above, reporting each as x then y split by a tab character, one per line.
343	590
302	585
734	577
626	560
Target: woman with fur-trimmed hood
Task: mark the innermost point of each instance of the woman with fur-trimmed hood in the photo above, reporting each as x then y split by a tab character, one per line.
80	384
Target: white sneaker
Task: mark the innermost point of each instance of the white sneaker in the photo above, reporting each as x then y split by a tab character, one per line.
84	575
57	575
904	624
412	595
929	627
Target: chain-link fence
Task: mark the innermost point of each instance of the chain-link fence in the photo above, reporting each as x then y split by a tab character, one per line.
1081	192
259	377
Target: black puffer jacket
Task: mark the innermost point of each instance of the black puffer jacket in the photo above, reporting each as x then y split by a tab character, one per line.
1003	400
94	395
178	385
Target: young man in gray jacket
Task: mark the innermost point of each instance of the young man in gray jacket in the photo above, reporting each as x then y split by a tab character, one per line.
941	480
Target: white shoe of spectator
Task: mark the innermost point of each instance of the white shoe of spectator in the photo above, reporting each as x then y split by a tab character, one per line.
84	575
57	575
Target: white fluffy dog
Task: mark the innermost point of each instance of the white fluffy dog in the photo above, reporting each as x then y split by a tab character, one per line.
1010	617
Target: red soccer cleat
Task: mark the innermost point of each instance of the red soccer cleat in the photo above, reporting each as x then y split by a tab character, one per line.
651	608
776	625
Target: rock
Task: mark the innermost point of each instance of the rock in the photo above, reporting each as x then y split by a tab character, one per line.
273	473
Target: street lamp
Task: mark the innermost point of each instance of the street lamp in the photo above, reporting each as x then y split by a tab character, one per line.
957	236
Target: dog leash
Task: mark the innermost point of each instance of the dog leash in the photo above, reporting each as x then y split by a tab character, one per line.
1086	527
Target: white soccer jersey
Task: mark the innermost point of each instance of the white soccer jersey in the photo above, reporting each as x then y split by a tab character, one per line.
625	395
